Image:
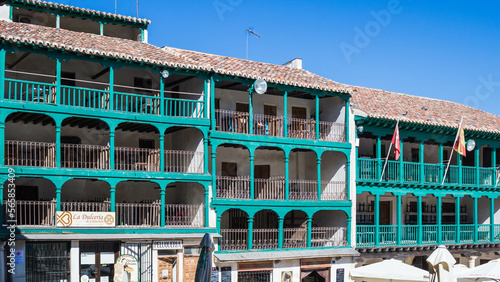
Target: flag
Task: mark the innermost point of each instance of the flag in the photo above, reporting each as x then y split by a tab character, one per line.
460	142
396	143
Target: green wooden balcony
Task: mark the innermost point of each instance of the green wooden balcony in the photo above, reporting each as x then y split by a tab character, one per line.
102	99
370	170
414	235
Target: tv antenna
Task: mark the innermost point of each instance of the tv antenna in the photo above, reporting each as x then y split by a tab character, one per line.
250	31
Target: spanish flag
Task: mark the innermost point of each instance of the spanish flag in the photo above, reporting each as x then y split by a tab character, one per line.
460	142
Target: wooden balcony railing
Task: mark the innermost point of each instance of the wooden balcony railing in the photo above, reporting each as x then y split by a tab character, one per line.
232	121
138	214
332	131
328	236
268	125
295	237
30	153
265	238
84	156
97	96
95	206
270	189
234	239
237	187
32	213
184	215
333	190
183	161
137	159
304	190
301	128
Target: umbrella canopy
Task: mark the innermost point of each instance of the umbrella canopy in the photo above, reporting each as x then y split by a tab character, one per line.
440	264
389	270
204	266
485	272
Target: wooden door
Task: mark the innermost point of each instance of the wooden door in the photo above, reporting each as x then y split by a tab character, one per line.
190	263
299	112
385	213
166	268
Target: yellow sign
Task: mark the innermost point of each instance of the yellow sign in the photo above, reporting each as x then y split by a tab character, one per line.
85	219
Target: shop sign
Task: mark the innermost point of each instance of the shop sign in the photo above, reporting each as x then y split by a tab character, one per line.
85	219
126	269
167	245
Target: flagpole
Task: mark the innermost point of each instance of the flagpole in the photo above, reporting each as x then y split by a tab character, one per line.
387	157
452	149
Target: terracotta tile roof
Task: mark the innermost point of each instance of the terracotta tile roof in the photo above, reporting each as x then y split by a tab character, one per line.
83	11
97	45
390	105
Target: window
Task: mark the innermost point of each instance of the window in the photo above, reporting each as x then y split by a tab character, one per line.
47	261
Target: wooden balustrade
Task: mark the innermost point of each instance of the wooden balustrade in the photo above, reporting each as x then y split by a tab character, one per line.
30	153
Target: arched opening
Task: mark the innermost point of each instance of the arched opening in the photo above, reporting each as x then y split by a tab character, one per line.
138	209
137	147
185	204
30	140
35	201
333	176
234	230
295	229
265	230
329	228
303	175
184	150
269	173
85	195
233	171
84	143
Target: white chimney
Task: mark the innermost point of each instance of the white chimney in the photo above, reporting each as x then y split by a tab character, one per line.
295	63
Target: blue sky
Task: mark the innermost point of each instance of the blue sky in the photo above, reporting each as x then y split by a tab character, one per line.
440	49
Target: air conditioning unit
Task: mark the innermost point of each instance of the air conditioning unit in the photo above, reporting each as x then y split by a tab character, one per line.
25	19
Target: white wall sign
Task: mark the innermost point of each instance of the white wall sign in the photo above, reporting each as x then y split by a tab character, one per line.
126	269
167	245
85	219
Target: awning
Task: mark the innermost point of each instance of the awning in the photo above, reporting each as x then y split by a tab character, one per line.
285	254
389	270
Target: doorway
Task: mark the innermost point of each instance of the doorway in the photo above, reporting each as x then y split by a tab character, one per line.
384	212
316	275
97	260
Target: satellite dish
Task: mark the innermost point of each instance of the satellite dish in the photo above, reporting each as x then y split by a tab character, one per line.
471	144
260	86
361	129
164	73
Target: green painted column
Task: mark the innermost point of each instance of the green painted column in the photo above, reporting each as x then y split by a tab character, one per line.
214	172
252	176
285	114
58	198
347	120
163	189
2	141
111	88
349	218
112	198
205	155
217	225
206	88
398	219
439	219
250	233
212	103
112	147
58	81
401	165
348	178
421	156
476	164
474	218
378	156
287	181
376	219
318	171
457	218
207	207
494	166
317	117
492	219
309	230
101	28
459	163
250	113
419	220
162	152
440	161
162	95
58	144
142	35
280	232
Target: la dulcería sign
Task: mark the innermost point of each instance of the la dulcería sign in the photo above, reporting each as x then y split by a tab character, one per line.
85	219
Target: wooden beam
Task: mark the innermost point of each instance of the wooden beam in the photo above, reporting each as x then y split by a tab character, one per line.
101	73
23	56
179	81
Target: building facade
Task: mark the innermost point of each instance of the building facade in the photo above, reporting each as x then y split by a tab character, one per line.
169	144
